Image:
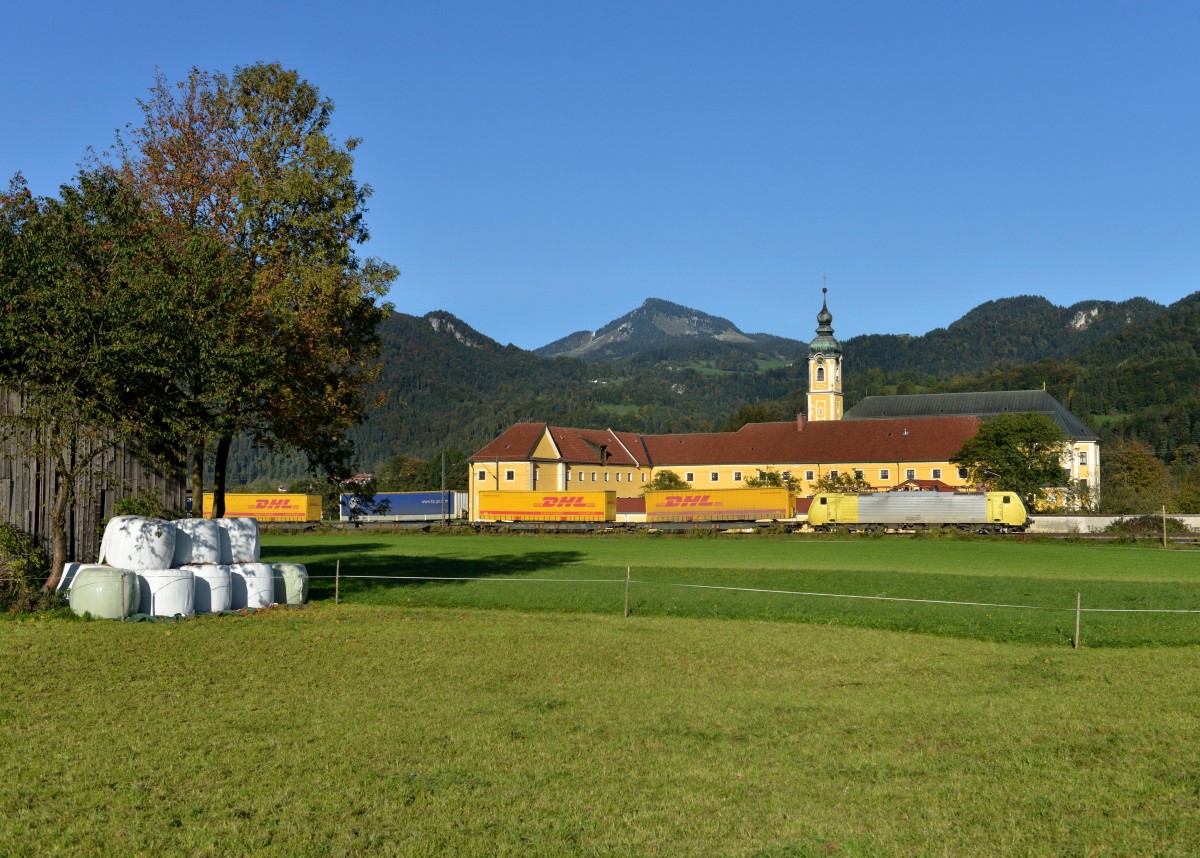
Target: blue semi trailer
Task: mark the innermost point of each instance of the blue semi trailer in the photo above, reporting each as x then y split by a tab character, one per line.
404	506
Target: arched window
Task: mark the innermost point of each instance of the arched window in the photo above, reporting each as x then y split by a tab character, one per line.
820	373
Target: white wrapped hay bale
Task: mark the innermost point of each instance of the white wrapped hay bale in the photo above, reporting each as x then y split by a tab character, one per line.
167	592
137	543
214	587
239	540
291	583
253	585
197	540
103	591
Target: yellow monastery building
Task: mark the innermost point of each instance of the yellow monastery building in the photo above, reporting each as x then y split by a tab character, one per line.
888	441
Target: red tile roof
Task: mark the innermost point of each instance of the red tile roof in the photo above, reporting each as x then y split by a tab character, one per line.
901	440
631	506
917	439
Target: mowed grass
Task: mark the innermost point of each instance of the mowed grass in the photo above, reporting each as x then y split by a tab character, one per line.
364	729
731	577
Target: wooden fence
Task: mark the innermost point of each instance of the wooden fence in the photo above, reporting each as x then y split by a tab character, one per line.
27	492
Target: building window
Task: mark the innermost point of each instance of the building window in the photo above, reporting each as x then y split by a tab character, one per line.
910	474
808	475
737	476
885	474
606	476
820	373
1083	458
481	475
568	476
643	476
834	473
509	476
689	477
858	475
618	476
593	476
713	476
962	474
787	475
936	474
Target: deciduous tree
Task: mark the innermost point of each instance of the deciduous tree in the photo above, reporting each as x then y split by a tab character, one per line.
85	315
1024	453
666	481
251	159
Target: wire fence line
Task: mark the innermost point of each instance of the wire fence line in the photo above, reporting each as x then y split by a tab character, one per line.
642	582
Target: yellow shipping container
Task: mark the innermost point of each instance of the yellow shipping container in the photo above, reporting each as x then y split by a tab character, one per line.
268	507
720	505
547	506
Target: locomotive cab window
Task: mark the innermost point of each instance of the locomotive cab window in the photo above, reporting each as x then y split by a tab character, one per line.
1007	499
824	501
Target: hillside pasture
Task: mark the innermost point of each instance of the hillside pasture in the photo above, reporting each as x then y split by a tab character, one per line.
1022	590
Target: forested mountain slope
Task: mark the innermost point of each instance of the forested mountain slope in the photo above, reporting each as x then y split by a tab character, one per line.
1127	368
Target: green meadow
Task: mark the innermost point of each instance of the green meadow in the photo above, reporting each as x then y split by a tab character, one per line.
865	582
502	715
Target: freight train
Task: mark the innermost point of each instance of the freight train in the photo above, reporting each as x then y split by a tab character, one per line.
991	512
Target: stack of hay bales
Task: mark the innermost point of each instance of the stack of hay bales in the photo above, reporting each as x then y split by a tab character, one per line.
175	569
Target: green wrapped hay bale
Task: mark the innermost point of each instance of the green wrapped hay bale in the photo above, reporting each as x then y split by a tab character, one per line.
291	583
99	591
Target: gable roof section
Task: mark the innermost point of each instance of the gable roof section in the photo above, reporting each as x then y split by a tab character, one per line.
517	442
981	404
577	446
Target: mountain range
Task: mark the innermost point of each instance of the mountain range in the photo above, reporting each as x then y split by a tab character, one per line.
1129	367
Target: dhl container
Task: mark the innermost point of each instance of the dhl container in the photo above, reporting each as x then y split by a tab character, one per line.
268	507
547	506
720	505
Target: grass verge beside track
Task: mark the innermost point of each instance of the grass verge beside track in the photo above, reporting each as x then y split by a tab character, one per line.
421	731
586	574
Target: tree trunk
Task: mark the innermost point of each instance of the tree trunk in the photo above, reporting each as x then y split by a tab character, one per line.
223	444
198	478
58	532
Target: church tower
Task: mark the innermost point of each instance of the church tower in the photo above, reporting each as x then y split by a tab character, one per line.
824	369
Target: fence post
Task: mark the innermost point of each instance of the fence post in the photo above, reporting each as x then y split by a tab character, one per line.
337	581
626	592
1078	610
1164	513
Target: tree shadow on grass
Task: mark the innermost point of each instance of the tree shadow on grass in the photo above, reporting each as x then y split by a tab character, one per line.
363	570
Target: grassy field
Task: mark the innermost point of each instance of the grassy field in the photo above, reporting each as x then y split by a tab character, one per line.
499	715
361	729
586	574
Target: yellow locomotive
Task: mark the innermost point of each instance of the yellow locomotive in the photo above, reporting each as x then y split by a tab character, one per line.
993	512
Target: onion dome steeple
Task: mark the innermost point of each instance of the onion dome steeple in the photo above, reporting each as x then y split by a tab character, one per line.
825	342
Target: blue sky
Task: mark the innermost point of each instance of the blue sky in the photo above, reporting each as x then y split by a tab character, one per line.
541	168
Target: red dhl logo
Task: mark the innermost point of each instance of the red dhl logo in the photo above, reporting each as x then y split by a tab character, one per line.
570	501
275	503
689	501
